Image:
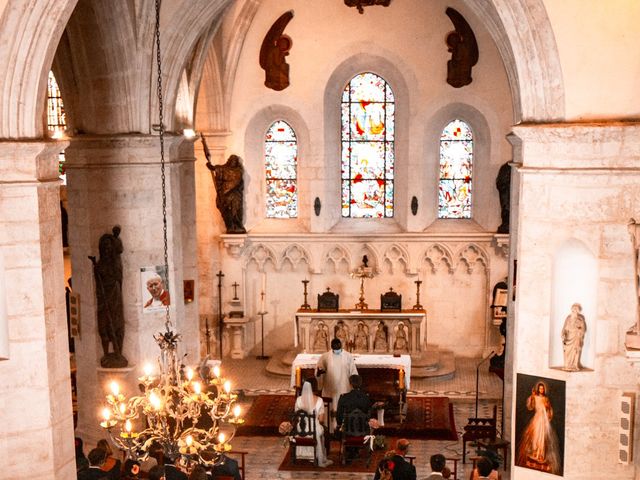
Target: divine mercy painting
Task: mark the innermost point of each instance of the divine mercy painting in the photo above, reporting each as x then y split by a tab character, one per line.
540	415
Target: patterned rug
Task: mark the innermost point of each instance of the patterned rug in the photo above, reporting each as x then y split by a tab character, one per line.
428	418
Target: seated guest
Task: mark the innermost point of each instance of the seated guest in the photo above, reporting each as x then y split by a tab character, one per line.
111	465
96	458
198	473
493	472
384	470
81	461
157	473
437	463
484	468
172	472
446	472
131	470
355	399
228	467
399	467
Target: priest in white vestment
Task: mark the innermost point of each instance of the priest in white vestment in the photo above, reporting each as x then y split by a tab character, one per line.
335	367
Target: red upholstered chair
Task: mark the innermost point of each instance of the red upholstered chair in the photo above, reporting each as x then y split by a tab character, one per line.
355	427
304	434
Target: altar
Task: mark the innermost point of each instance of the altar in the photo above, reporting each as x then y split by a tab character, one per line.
385	378
362	331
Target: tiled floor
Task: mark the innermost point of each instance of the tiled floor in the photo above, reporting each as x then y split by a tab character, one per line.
266	453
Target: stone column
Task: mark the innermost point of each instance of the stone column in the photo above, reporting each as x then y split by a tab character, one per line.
578	183
35	412
116	180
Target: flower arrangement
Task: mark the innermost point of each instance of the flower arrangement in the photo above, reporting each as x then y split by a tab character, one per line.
285	429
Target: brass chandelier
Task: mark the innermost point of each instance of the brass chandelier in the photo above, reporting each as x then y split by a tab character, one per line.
191	418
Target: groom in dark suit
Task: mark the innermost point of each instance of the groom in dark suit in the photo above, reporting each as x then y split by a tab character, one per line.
355	399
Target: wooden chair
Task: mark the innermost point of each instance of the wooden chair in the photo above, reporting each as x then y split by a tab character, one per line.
479	429
304	434
355	426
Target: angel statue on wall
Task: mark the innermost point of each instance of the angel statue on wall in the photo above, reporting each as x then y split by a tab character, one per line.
275	47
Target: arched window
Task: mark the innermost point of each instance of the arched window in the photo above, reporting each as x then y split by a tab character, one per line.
368	128
456	166
56	121
281	164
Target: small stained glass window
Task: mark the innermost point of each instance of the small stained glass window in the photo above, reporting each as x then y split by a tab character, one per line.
456	166
368	128
281	164
56	121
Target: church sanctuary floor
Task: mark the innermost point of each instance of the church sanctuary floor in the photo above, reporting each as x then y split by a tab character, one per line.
266	453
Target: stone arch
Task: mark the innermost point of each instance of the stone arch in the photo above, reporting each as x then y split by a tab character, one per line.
262	254
438	255
296	254
335	256
395	74
522	32
396	255
472	254
483	174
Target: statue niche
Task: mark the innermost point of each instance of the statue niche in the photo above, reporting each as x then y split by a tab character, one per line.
107	272
380	342
464	50
321	339
275	47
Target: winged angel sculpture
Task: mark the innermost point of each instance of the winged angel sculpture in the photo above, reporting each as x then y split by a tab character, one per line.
275	47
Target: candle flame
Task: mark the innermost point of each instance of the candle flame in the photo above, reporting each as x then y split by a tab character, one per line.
197	387
188	440
236	411
127	426
216	371
189	374
222	438
106	414
227	386
115	388
155	401
148	369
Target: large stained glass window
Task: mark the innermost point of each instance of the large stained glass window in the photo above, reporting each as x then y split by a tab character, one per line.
456	162
368	127
281	163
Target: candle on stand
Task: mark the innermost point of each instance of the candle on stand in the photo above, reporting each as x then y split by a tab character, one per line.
298	377
401	378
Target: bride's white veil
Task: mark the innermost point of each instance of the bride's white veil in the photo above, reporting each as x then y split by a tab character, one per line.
307	398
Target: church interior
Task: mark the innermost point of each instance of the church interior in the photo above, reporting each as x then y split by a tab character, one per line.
449	187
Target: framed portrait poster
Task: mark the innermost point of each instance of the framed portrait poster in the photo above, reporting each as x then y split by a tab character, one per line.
153	281
540	416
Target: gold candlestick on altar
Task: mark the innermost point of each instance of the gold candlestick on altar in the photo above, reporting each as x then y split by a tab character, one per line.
363	271
305	305
417	306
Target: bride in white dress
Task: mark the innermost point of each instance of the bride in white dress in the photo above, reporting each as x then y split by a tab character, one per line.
310	403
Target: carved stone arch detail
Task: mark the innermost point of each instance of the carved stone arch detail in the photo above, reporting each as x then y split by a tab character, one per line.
336	255
261	254
394	255
295	254
438	255
472	254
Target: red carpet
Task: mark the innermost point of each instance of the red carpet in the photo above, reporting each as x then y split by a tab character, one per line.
357	465
429	418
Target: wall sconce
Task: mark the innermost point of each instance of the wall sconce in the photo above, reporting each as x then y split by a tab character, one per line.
317	206
414	205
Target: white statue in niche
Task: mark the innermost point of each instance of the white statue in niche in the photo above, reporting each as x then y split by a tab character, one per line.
401	343
573	334
362	337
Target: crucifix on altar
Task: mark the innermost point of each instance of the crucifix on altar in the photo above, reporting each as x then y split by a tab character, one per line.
362	272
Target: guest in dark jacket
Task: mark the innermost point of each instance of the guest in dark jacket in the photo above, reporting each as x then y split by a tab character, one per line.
81	461
97	456
355	399
399	467
228	467
172	472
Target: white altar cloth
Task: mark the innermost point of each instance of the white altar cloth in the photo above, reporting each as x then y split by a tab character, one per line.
310	360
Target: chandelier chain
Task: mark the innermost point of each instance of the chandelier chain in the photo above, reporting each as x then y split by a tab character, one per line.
162	161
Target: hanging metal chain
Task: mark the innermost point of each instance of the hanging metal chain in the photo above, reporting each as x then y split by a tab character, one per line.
162	163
